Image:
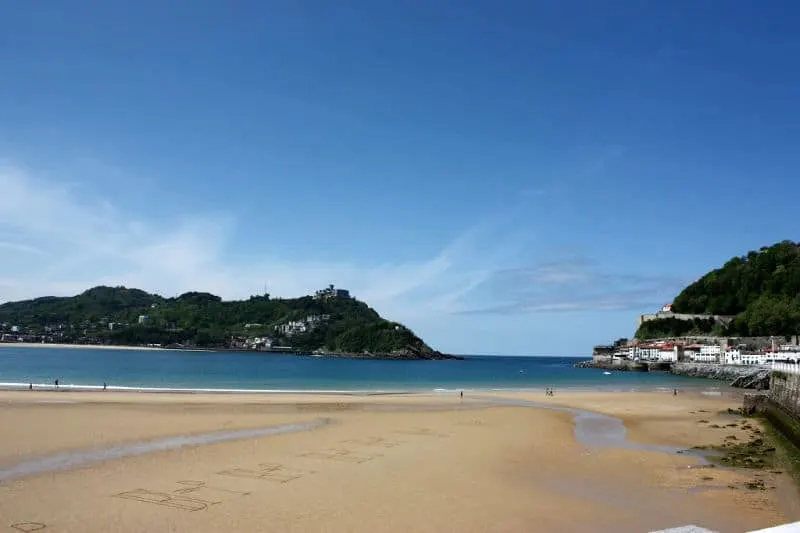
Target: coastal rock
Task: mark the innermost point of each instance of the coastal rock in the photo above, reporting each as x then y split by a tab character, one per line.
408	355
743	377
622	365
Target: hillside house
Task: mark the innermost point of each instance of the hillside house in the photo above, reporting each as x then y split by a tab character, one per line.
331	292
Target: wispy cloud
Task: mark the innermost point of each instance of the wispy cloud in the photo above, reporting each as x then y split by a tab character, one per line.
24	248
576	284
60	238
91	241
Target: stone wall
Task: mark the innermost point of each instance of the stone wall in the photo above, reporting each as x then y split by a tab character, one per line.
754	402
784	390
720	319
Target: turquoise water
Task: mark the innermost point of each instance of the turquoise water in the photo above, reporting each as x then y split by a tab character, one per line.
256	371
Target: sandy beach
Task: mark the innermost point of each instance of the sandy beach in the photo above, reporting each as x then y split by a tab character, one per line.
427	463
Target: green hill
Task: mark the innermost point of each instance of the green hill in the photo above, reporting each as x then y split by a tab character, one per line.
122	316
761	289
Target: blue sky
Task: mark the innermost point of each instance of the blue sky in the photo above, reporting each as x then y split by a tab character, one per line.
511	178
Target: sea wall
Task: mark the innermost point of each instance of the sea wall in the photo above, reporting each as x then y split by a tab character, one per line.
784	390
721	319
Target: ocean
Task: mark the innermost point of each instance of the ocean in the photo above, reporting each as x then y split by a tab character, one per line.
232	371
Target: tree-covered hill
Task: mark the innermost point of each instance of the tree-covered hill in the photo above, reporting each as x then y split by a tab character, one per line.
122	316
761	289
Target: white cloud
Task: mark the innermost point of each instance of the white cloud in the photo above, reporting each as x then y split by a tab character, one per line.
88	241
24	248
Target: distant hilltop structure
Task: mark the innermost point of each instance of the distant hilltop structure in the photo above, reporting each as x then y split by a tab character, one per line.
331	292
666	312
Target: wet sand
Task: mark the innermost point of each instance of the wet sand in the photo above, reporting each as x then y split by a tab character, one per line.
427	463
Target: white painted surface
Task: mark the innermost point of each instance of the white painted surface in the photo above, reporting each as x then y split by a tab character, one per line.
685	529
794	527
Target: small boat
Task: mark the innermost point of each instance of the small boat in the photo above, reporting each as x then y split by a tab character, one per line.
607	373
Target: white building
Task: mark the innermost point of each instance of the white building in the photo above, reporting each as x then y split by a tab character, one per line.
143	319
259	343
754	358
646	353
624	353
707	354
668	353
783	356
733	357
293	328
331	292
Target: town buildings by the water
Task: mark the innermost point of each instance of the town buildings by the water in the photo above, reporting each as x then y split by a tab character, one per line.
722	352
701	349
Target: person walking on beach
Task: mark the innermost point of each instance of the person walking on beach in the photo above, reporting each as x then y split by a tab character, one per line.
462	394
30	386
56	382
105	386
674	392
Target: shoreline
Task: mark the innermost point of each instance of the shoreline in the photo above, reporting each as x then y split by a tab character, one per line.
96	347
707	390
434	356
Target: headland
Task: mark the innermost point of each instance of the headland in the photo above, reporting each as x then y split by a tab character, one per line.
733	323
329	323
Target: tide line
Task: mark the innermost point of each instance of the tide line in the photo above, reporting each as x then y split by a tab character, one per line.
70	460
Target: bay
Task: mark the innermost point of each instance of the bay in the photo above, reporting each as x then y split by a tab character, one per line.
258	371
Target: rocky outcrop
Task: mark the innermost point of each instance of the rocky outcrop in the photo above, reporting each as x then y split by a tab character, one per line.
591	364
407	355
615	364
758	381
743	377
